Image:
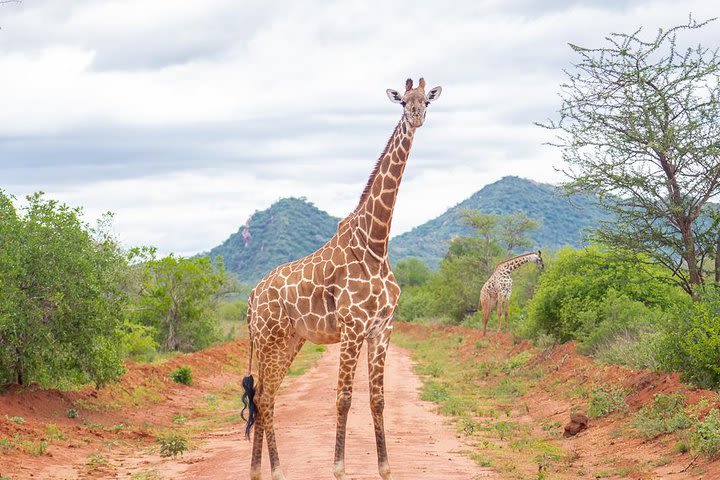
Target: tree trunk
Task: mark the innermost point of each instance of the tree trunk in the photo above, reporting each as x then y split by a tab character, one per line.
691	258
717	261
19	369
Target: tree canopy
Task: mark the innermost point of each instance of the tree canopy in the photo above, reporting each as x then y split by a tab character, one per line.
639	126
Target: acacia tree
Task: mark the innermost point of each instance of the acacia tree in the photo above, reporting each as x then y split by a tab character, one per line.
639	127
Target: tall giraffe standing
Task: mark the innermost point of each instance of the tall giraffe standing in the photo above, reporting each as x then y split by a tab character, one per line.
344	292
497	289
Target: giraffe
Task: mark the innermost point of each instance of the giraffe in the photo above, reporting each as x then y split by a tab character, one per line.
497	289
342	293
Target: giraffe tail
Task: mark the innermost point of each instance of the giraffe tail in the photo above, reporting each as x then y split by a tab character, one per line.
248	399
248	384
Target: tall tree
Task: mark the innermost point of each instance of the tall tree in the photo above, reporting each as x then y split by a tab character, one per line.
640	127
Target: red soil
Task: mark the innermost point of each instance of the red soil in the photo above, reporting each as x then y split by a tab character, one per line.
421	443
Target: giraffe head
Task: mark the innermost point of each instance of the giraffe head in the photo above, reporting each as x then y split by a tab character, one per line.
414	100
539	260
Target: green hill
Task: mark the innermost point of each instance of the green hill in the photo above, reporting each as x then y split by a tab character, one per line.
563	220
291	228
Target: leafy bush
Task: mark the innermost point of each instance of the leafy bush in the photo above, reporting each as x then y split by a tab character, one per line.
411	273
692	344
172	445
72	413
178	298
62	299
590	295
706	437
232	311
665	415
138	341
606	400
182	375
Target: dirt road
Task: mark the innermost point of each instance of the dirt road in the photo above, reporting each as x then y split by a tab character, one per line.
420	442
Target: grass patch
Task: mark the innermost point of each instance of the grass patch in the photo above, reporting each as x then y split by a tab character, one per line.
706	437
52	432
665	415
306	358
96	462
172	445
147	475
606	400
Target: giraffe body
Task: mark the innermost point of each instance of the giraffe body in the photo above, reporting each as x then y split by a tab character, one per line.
345	292
495	293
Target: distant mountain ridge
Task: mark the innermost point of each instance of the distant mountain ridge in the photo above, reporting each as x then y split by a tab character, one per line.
293	227
563	220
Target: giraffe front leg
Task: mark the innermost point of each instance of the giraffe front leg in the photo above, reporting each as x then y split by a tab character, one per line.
377	348
349	351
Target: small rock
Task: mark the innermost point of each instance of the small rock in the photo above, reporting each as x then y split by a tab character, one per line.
578	423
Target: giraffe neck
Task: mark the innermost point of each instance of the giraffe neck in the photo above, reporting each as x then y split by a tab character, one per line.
510	265
375	209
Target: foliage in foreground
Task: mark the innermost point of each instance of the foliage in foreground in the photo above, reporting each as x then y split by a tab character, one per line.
692	343
182	375
60	300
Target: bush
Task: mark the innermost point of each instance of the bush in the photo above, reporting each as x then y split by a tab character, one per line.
182	375
692	344
665	415
605	400
62	298
411	273
138	341
171	445
590	295
232	311
706	437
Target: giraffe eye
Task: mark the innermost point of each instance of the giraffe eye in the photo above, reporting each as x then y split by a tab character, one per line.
403	103
427	103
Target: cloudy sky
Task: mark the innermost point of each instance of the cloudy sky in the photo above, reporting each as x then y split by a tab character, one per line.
184	117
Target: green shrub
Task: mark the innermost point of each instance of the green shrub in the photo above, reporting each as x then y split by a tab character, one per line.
139	341
665	415
606	400
706	437
172	445
692	344
590	295
411	272
182	375
72	413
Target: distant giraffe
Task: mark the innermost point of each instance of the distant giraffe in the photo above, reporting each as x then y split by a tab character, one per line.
497	289
344	292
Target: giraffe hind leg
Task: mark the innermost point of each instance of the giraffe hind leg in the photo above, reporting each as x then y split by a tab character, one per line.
274	358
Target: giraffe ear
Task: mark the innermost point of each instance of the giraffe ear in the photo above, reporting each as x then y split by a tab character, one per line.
393	95
434	94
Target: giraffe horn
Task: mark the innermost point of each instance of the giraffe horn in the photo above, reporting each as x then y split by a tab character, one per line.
421	84
408	84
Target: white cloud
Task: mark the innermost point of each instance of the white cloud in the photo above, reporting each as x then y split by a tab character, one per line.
184	117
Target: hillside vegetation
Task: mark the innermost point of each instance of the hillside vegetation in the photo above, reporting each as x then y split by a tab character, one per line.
563	221
290	229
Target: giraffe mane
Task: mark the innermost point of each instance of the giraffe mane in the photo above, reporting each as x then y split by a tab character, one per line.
515	258
376	168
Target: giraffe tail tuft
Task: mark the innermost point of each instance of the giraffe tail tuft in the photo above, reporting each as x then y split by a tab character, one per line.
248	399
